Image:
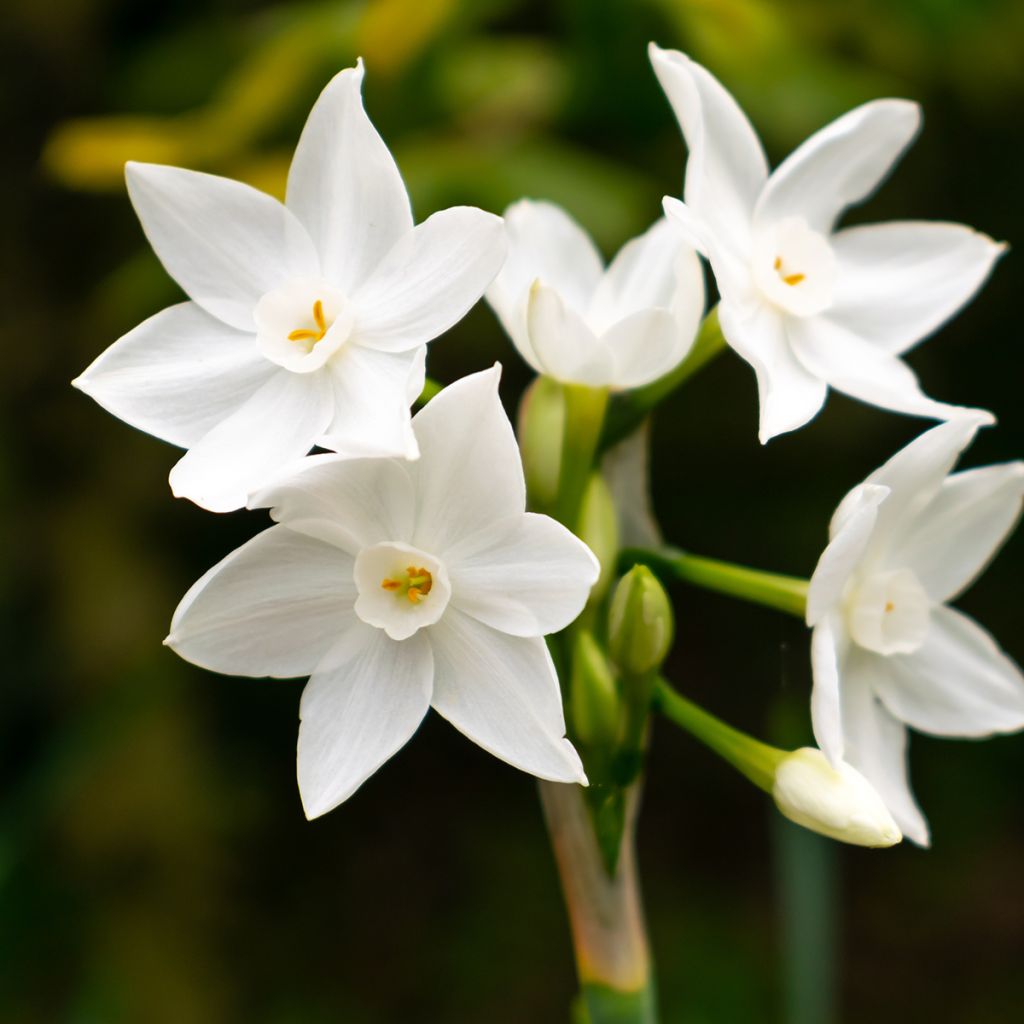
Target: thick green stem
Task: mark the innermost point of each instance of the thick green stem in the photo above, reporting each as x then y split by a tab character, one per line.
605	912
756	760
630	409
584	417
774	590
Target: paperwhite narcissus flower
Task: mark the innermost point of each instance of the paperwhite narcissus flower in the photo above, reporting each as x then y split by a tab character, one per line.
579	323
307	320
809	307
886	651
837	802
400	586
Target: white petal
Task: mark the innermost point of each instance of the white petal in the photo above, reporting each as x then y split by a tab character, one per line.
278	424
273	607
876	745
839	165
544	243
790	395
915	474
825	710
959	683
469	473
900	281
362	704
502	692
846	547
177	375
960	531
352	503
726	167
344	185
564	346
429	280
417	375
654	270
645	346
225	243
527	575
865	371
732	268
371	403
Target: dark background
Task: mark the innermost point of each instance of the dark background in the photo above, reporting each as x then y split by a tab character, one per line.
154	862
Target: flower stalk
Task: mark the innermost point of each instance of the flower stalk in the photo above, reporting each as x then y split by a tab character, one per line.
773	590
757	761
584	417
605	912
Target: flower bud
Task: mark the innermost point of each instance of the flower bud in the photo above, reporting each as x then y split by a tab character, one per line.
599	530
640	625
594	696
541	428
837	802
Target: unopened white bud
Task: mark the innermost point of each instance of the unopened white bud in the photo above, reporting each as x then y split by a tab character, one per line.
837	802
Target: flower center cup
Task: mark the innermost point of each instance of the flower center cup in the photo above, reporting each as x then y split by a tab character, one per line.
302	324
888	613
794	267
400	588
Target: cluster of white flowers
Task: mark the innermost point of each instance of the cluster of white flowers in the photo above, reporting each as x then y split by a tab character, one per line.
404	570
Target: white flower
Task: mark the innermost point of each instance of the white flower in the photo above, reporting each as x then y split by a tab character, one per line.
886	651
307	320
807	306
575	321
836	801
400	586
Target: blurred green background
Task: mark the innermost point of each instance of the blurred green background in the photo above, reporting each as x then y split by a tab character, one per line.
154	862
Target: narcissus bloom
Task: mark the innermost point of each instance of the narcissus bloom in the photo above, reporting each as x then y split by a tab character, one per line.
306	321
886	650
807	306
400	586
575	321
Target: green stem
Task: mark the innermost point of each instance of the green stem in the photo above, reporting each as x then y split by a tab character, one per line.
605	912
807	892
431	388
584	416
774	590
630	409
754	759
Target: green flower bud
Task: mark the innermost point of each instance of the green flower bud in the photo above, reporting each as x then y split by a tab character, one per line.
541	428
599	530
594	703
640	623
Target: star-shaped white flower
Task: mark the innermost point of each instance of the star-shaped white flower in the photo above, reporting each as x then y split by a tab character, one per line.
886	650
807	306
307	320
400	586
575	321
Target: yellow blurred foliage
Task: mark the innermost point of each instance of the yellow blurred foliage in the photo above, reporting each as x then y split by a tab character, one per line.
394	32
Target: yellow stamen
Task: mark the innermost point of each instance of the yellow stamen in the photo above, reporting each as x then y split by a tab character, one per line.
790	279
889	606
415	586
305	334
